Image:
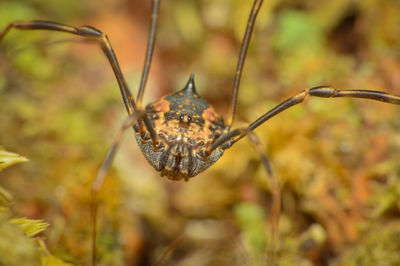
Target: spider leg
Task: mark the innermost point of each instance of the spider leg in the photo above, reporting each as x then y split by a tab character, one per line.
102	39
102	174
225	142
170	248
242	56
149	55
149	51
275	187
230	138
326	92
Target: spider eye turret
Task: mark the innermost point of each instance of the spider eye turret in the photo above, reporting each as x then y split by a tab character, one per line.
190	88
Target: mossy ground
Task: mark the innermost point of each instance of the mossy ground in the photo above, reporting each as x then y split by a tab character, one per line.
338	159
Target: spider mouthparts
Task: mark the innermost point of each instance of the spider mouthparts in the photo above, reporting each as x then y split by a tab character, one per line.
178	161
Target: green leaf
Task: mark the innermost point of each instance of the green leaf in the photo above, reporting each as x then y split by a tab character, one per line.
29	226
8	158
293	27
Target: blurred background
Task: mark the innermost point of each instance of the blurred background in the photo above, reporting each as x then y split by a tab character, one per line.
338	159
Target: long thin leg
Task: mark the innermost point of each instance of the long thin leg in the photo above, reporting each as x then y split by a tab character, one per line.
102	39
171	247
149	51
242	56
225	142
274	185
84	31
102	173
228	139
149	55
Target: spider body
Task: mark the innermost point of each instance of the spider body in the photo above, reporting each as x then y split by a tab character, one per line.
185	125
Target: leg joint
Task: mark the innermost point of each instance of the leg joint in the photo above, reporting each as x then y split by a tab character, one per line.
89	31
322	91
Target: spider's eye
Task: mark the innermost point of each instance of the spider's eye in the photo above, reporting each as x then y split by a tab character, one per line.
185	118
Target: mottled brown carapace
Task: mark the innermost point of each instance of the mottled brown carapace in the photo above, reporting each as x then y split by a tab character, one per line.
185	124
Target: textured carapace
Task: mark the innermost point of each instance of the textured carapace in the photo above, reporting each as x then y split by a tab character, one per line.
185	124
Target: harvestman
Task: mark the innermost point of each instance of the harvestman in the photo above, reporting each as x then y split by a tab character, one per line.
181	135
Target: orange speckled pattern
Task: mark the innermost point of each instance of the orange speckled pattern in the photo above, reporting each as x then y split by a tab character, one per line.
202	129
185	124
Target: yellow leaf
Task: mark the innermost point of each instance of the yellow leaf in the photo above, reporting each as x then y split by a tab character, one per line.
29	226
50	260
8	158
5	197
